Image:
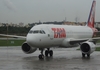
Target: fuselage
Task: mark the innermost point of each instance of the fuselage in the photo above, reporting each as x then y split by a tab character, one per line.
53	35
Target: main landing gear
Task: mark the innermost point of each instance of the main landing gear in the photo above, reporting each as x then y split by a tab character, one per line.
83	55
48	53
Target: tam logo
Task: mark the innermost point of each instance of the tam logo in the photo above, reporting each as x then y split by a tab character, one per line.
59	32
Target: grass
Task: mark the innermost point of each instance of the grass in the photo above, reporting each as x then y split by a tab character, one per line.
98	41
97	49
11	42
20	42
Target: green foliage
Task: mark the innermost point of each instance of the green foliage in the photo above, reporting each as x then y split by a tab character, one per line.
14	30
11	42
97	49
98	41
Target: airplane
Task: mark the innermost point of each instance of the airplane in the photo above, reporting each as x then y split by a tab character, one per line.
64	36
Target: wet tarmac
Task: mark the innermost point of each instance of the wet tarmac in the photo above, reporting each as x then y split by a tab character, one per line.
13	58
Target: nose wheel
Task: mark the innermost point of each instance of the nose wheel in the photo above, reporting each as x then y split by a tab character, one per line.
41	56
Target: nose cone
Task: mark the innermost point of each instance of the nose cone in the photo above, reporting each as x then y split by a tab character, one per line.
31	40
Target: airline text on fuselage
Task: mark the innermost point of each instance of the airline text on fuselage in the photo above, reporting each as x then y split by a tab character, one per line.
59	32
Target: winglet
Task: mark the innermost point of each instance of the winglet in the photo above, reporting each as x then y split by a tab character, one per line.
91	19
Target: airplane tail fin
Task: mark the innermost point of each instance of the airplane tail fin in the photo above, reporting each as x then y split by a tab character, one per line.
91	19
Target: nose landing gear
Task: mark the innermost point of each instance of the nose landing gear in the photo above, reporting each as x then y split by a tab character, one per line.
47	52
41	56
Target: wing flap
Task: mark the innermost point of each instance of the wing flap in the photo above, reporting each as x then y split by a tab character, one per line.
74	41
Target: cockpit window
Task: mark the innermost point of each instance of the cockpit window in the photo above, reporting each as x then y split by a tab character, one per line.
43	32
40	31
36	31
30	31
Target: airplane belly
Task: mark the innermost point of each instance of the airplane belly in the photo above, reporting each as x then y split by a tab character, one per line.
46	43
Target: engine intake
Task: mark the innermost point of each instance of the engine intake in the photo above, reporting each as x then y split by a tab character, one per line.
87	47
28	49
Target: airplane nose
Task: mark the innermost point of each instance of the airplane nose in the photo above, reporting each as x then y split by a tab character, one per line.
31	40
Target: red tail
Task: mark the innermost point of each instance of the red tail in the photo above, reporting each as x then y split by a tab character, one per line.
91	19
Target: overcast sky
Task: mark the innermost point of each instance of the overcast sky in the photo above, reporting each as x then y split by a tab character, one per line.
29	11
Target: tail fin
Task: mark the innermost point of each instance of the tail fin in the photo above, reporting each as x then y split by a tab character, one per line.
91	19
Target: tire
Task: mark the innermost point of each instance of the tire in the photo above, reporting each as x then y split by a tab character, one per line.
41	56
88	55
46	53
83	55
51	53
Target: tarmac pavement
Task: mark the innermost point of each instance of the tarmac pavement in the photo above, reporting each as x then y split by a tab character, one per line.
13	58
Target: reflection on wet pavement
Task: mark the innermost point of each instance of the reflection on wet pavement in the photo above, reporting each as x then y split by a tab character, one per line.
14	59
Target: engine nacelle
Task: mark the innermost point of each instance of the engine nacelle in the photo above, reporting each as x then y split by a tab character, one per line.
87	47
28	49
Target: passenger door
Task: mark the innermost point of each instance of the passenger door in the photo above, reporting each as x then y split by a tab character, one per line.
50	33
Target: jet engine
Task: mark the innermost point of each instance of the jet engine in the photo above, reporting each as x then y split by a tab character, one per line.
87	47
28	49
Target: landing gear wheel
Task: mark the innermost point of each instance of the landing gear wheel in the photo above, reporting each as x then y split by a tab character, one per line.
41	56
88	55
83	55
46	53
51	53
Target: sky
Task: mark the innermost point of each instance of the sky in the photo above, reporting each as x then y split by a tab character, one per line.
31	11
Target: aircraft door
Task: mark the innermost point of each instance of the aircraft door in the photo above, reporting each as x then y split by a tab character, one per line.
50	34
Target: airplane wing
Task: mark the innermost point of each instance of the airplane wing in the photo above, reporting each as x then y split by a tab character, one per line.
73	41
15	36
94	39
